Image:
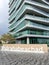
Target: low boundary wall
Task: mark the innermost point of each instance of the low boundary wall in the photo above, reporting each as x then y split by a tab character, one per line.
35	48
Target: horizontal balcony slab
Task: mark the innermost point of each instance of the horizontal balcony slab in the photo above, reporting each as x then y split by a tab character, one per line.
30	26
36	36
33	10
47	2
37	4
33	18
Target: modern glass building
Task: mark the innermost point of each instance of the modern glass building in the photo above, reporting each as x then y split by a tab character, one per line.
29	21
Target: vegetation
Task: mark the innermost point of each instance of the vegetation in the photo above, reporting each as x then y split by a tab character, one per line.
8	38
0	43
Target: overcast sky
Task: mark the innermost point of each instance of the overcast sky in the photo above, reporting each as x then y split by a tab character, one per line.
4	16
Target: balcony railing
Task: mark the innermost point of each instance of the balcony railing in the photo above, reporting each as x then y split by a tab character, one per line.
31	32
17	5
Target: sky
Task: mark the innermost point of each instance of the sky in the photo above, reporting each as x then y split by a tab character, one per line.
4	23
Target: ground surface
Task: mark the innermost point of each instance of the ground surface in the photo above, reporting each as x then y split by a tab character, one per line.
13	58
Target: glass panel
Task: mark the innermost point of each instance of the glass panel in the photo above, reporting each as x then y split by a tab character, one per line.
32	32
39	40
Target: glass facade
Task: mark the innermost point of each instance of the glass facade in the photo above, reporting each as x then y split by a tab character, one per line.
39	40
32	32
29	19
35	40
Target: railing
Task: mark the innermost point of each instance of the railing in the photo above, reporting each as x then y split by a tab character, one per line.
20	26
16	23
39	25
17	4
38	4
11	1
20	11
30	8
33	17
13	5
31	32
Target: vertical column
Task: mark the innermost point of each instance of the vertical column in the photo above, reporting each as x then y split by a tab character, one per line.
27	40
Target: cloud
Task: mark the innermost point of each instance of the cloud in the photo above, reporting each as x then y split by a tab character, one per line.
1	4
4	16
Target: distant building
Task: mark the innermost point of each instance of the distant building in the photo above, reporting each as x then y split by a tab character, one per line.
29	21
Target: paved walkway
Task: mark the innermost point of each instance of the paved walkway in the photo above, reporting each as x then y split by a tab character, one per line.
13	58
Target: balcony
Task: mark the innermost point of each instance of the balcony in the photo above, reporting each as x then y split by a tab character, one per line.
33	9
38	19
13	6
17	4
11	1
14	25
23	8
37	4
46	1
31	26
30	33
31	18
